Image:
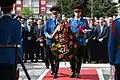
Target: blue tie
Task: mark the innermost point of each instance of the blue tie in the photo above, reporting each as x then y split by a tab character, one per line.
77	21
55	22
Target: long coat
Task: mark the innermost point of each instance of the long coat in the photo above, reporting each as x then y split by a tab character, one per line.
114	42
49	29
101	52
77	27
29	44
10	33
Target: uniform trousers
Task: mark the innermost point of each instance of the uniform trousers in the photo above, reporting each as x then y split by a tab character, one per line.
44	56
76	60
117	71
7	72
53	60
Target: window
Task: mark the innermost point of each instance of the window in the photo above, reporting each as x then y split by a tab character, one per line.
35	3
18	2
43	8
18	8
26	2
35	10
43	2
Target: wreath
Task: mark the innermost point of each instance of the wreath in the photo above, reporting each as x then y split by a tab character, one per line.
64	43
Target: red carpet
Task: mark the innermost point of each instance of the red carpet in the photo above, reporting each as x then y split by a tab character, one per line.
86	74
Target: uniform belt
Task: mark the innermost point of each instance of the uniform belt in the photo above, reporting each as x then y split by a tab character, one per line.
9	46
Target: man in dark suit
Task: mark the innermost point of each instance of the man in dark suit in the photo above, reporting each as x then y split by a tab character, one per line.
89	42
29	38
41	44
48	30
37	31
101	34
10	33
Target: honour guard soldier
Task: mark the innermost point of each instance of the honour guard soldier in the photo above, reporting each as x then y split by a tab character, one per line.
10	33
49	28
79	27
114	46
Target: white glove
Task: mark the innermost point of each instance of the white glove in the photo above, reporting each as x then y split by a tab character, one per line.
86	40
41	44
94	38
84	31
38	39
49	36
101	39
29	38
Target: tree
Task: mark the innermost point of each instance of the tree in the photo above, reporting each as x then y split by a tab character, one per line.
103	8
67	5
26	11
100	7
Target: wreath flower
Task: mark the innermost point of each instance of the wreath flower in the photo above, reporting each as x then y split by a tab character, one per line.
64	44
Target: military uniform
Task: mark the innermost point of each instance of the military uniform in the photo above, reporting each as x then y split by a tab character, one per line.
82	23
10	33
78	25
49	28
114	46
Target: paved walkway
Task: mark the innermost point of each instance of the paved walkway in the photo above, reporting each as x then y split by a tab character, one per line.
36	70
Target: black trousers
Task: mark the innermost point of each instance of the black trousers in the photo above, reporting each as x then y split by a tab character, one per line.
86	55
76	60
42	51
37	51
7	72
117	72
53	60
44	56
31	56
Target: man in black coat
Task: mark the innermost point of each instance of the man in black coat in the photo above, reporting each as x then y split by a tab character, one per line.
29	41
101	34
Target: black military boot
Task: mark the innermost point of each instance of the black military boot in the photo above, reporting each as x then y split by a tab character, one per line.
52	71
77	75
72	75
55	75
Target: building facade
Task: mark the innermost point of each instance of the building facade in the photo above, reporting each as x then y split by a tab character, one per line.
38	7
18	6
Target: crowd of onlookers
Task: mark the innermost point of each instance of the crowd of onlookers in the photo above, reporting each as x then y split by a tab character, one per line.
96	38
